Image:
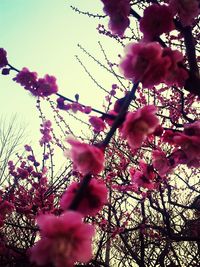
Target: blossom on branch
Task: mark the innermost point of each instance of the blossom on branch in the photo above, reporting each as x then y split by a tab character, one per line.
157	19
46	86
88	159
150	64
144	62
118	11
160	162
3	58
187	144
97	123
144	177
189	141
176	74
64	240
94	198
138	125
38	87
187	10
46	129
27	79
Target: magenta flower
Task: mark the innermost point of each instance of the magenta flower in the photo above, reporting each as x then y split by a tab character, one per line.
46	131
38	87
189	141
95	197
27	79
160	162
118	11
46	86
144	62
138	125
87	159
176	74
157	19
187	10
143	178
3	58
64	240
97	123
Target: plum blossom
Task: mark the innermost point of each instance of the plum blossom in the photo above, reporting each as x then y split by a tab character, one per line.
86	158
157	19
151	64
144	62
189	141
38	87
143	177
64	240
187	10
95	197
138	125
160	162
46	132
176	74
27	79
46	86
118	11
97	123
187	144
3	58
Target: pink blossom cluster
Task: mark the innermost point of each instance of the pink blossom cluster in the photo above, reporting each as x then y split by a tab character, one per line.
187	144
64	240
145	177
6	208
31	200
157	19
87	159
97	123
118	12
187	10
73	106
46	130
160	162
139	125
3	58
151	64
93	200
38	87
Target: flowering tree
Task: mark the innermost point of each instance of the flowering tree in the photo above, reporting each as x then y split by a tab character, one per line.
132	187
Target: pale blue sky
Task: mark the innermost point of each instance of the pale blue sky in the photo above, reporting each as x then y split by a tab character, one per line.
43	35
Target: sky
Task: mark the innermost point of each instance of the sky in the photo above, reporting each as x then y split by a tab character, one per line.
43	36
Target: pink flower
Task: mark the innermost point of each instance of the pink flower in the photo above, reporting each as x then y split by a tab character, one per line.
144	177
144	62
189	141
176	74
97	123
95	197
138	125
157	20
160	162
3	58
46	86
118	11
87	159
46	132
27	79
28	148
64	240
38	87
187	10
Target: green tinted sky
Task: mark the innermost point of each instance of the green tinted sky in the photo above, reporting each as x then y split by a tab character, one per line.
43	35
